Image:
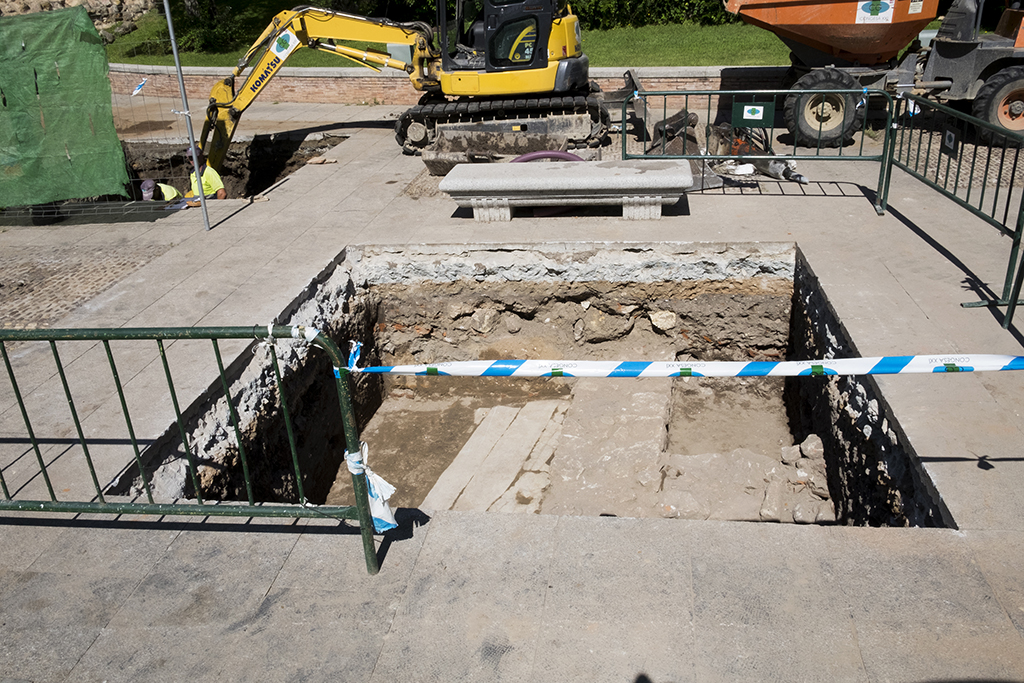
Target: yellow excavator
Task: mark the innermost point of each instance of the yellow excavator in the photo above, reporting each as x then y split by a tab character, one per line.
495	68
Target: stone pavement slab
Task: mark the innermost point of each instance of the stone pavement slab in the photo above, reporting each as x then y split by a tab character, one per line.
456	476
505	460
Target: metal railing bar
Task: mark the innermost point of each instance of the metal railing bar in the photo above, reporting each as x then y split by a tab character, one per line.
884	173
917	158
984	184
287	423
360	511
47	440
928	155
728	96
999	181
1009	197
351	429
181	425
906	133
1009	294
970	181
3	485
78	423
234	423
899	113
1014	294
28	424
707	114
959	200
186	507
959	161
127	420
949	164
864	122
664	115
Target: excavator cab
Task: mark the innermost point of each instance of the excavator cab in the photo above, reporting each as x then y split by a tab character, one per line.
495	35
508	47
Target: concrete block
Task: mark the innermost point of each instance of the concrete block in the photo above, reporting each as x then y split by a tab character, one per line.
641	187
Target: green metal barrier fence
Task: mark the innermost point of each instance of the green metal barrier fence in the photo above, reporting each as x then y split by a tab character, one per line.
662	117
101	502
973	163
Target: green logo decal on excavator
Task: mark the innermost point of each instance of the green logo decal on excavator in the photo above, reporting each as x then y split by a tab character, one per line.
283	42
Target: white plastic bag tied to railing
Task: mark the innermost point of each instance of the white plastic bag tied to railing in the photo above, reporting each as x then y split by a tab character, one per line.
378	490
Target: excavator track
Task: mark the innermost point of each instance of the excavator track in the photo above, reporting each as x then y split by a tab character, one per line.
416	128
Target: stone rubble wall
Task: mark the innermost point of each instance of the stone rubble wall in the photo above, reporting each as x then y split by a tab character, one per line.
870	468
106	14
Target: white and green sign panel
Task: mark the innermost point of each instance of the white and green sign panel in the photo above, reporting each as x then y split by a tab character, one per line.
753	114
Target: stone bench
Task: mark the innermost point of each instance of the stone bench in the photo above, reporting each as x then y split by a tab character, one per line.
640	186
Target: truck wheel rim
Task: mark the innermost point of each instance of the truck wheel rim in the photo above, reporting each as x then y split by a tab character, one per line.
824	112
1011	110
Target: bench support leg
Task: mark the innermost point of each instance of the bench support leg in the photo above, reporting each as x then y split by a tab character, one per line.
491	210
641	208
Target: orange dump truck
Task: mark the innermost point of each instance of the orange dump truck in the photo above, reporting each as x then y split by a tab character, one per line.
844	44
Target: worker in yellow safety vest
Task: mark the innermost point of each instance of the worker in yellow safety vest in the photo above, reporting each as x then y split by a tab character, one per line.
152	190
213	186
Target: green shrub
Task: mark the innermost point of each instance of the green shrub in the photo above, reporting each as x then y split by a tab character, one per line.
609	14
220	31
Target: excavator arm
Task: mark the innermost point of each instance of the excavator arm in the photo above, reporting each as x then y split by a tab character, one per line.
316	29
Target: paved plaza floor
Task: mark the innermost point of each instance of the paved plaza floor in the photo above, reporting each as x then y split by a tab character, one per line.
466	596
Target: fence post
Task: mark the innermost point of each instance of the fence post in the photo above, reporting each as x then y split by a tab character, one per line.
888	151
351	427
1011	296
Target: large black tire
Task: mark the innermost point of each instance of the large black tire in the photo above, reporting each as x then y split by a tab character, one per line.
823	119
1001	103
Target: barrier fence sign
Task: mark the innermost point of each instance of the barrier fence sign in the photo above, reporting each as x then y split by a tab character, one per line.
753	114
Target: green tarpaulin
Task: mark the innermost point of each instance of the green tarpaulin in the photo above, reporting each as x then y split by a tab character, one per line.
57	137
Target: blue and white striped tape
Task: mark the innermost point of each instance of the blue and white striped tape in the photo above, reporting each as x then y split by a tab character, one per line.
880	365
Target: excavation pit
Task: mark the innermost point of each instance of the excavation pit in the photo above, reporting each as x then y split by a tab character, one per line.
249	169
805	450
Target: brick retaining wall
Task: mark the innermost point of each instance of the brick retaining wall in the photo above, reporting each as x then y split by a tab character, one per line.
362	86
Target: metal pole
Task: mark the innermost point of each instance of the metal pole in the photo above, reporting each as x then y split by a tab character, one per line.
188	115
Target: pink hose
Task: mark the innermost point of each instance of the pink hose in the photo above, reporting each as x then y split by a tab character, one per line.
549	154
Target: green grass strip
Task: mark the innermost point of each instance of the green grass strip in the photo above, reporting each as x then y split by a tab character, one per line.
671	45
